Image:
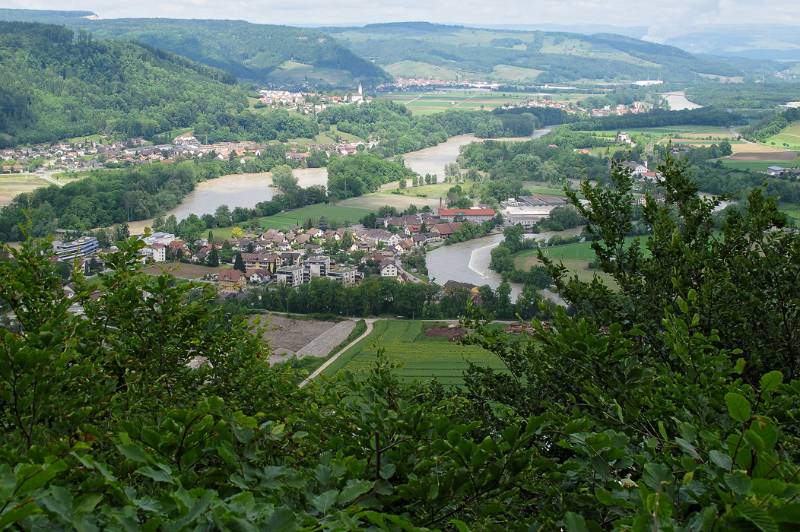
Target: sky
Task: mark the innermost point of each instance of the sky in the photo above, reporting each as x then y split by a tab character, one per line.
664	18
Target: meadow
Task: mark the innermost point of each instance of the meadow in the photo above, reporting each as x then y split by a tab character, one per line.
788	138
334	215
421	357
11	185
575	257
423	103
792	210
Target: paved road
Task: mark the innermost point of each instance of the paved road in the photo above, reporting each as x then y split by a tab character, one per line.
326	365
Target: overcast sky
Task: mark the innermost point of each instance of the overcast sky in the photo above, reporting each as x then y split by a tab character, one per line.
663	17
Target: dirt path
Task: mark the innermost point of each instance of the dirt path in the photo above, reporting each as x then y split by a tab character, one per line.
331	360
322	345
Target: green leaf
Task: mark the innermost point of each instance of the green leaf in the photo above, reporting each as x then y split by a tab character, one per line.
132	452
59	501
720	459
739	482
354	489
282	519
387	471
770	381
323	502
17	513
575	522
687	447
738	407
461	526
760	518
155	474
787	514
656	474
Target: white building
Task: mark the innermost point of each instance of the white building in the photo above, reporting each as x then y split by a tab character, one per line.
388	269
291	275
85	246
159	252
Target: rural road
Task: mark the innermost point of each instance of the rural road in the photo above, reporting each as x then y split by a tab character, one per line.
331	360
49	179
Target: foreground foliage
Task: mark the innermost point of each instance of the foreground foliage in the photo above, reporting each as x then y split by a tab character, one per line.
653	408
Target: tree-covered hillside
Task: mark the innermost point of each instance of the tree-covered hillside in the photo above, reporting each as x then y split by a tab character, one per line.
416	49
56	86
280	55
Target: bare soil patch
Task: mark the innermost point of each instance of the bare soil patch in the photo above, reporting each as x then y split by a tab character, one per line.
451	333
181	270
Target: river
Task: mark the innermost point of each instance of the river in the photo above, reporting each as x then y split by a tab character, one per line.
678	101
246	190
468	262
235	190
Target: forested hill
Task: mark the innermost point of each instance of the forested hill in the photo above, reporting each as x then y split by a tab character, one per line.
279	55
418	49
57	86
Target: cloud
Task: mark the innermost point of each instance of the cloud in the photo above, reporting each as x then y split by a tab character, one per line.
664	18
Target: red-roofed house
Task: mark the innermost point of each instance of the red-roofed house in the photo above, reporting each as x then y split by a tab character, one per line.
470	215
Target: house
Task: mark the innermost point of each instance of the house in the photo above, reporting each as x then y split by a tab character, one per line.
446	230
231	280
776	171
316	267
476	215
178	249
344	275
290	258
636	169
84	246
265	261
388	268
258	275
290	275
159	252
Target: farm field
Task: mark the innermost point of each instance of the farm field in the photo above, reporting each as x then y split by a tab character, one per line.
437	101
376	200
792	210
422	357
691	135
575	257
334	214
789	138
758	166
182	270
11	185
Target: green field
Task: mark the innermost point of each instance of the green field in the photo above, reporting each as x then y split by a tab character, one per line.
789	138
692	135
792	210
11	185
421	357
334	214
758	166
575	257
422	103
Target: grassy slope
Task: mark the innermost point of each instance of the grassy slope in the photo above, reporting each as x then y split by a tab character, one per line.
428	50
422	357
788	138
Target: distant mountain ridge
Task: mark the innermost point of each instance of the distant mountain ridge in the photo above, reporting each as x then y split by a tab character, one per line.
268	54
410	49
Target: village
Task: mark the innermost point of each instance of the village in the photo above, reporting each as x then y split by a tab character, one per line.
105	152
294	256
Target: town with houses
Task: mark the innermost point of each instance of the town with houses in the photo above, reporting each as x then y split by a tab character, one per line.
296	256
92	154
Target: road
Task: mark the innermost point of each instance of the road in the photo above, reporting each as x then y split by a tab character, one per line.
50	179
320	370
